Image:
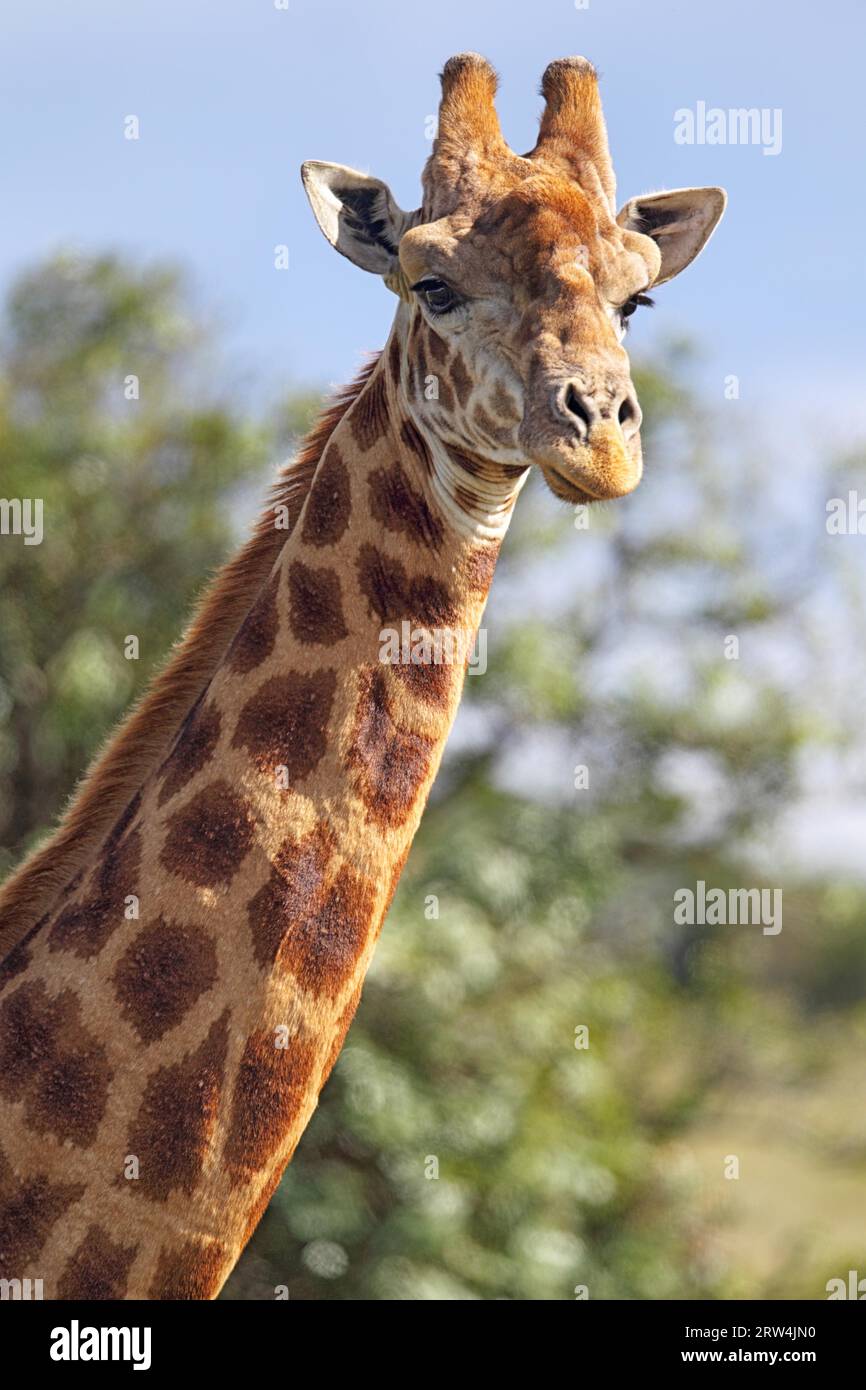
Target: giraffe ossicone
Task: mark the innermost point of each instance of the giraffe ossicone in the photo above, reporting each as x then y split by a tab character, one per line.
159	1062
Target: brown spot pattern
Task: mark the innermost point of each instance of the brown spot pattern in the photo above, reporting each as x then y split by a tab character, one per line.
414	440
193	1270
48	1059
329	504
307	925
369	415
28	1040
16	961
206	840
444	395
176	1119
438	347
321	949
294	884
497	434
394	359
84	927
124	821
504	404
98	1269
29	1210
402	508
315	605
162	974
194	747
391	764
393	596
285	722
422	370
426	681
254	641
460	379
416	381
271	1088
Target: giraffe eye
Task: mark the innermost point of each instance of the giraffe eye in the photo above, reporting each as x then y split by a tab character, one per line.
438	297
627	309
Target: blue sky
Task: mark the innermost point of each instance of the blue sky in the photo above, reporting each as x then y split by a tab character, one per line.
233	94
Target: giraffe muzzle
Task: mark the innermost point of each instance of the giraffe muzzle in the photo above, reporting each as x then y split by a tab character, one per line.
591	448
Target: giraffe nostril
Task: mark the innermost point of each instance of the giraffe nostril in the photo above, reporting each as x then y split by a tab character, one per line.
576	405
629	415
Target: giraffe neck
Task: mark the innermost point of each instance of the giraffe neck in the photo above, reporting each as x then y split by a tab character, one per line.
143	738
166	1031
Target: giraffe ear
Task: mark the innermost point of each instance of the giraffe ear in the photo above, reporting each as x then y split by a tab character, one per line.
357	214
680	222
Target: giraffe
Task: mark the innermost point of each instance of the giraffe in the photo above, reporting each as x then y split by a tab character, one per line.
182	960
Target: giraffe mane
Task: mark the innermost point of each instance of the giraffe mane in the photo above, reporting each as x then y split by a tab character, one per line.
142	739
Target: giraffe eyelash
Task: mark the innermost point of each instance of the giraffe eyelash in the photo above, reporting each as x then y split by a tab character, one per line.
628	307
438	296
636	301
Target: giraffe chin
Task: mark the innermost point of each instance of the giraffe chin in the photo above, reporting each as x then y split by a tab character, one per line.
564	489
567	489
610	467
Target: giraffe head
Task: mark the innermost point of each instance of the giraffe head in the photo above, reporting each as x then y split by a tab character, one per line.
518	276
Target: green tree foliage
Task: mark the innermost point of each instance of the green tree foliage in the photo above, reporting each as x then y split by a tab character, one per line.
547	1074
137	504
